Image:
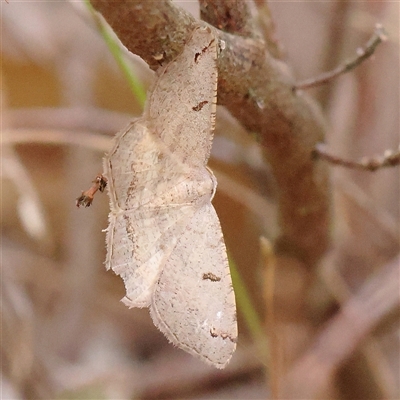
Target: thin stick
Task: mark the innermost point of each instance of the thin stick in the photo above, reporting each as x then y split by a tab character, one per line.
86	199
388	159
363	53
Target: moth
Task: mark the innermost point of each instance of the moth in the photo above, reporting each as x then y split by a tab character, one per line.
164	238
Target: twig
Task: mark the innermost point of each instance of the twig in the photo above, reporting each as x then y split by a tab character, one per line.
378	37
388	159
57	138
72	119
30	209
86	199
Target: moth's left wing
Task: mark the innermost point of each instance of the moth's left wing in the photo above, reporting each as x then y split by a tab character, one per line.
193	303
140	169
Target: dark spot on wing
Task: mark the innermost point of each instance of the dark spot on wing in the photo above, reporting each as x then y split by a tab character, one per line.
200	105
210	276
197	55
222	335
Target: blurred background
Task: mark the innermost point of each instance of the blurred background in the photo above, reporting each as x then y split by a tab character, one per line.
66	335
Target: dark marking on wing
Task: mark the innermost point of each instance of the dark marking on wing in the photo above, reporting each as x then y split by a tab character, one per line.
223	335
200	105
197	55
210	276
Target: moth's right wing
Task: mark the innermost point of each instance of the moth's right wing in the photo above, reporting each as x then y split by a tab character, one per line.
139	242
194	302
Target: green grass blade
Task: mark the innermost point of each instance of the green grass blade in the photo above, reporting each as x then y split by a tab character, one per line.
115	49
248	311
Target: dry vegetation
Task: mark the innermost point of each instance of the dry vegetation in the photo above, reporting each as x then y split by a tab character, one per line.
332	325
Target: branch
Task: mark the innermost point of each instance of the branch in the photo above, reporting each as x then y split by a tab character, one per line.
257	90
378	37
378	298
236	18
388	159
231	18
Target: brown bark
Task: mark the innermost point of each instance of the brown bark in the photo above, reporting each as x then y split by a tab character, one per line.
229	16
